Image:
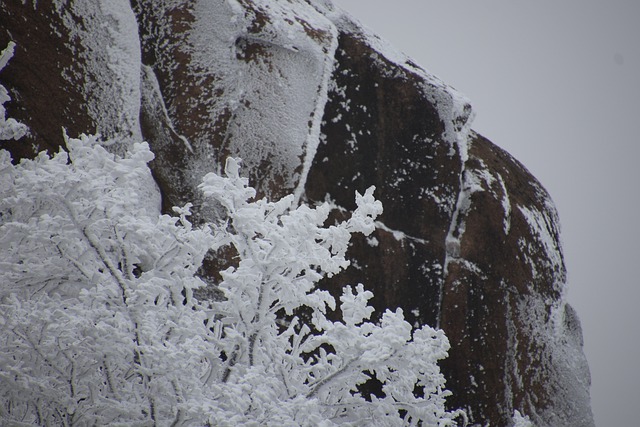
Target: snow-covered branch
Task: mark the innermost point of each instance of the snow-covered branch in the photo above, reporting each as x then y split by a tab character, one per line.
98	323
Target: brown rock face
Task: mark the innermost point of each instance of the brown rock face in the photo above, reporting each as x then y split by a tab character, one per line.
471	246
76	67
36	77
246	80
394	142
316	106
502	303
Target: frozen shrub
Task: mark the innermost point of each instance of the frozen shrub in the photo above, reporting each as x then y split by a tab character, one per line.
98	323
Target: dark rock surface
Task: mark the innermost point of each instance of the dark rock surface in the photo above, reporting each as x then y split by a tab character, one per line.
315	105
35	77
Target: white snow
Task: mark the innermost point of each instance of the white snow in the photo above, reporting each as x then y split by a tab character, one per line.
273	61
470	182
506	205
399	235
7	54
554	328
154	96
521	421
454	110
111	57
540	223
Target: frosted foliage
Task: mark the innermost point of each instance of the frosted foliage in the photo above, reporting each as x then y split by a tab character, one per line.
283	373
521	421
9	128
99	326
96	324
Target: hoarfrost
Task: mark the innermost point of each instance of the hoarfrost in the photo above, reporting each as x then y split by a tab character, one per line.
152	96
9	128
521	421
543	230
506	205
273	62
110	52
554	327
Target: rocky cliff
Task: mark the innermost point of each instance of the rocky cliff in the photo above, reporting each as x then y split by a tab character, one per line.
317	106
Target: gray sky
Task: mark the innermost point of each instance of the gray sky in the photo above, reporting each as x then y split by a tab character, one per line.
557	84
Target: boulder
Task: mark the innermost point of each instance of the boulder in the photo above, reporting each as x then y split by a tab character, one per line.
317	106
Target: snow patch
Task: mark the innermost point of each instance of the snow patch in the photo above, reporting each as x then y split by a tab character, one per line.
470	183
7	54
153	96
521	421
548	237
454	109
111	58
272	60
399	235
372	241
554	328
506	205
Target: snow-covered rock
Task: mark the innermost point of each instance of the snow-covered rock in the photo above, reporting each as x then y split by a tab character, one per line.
318	106
247	78
468	241
76	65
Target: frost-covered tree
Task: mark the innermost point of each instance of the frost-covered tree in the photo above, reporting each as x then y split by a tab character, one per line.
293	373
99	325
96	324
9	128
